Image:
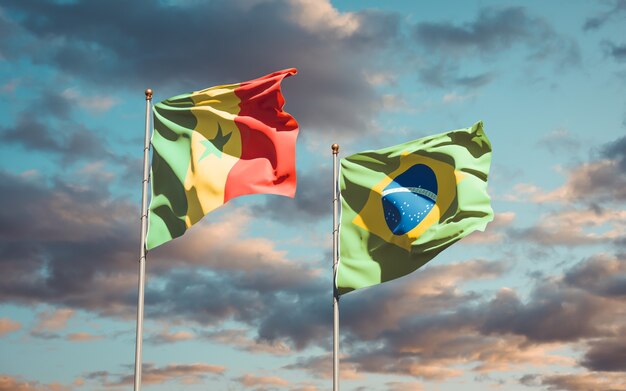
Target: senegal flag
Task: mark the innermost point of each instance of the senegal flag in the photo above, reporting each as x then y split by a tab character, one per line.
403	205
216	144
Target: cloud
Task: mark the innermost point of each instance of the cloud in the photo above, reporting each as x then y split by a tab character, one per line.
494	232
394	102
183	373
166	336
252	381
8	326
433	288
304	386
322	367
601	275
595	181
584	382
616	51
599	20
313	199
559	140
95	104
616	150
9	30
606	355
442	346
309	322
326	45
475	81
427	316
151	374
453	97
402	310
404	386
240	340
377	78
493	31
554	314
11	383
250	263
248	279
72	143
53	320
575	227
10	86
323	18
43	260
83	337
439	340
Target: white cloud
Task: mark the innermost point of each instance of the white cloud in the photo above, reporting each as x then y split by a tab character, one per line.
53	320
453	97
318	16
93	103
8	326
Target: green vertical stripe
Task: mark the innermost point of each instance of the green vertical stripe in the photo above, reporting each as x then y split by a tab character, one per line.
171	142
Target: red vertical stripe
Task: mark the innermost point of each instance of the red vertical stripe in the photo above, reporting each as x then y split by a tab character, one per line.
268	140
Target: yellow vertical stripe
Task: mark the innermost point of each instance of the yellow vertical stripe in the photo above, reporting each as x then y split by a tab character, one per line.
215	108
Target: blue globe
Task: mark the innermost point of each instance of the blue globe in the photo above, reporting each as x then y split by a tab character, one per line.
409	198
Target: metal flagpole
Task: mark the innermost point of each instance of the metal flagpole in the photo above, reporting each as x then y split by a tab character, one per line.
142	251
335	148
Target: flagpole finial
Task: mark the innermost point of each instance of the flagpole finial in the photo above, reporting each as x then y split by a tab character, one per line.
148	94
335	148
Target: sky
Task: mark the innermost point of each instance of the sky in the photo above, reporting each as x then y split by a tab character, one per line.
243	301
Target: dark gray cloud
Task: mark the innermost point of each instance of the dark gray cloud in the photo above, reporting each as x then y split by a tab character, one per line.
553	314
313	199
601	275
616	150
184	297
595	22
493	31
64	244
606	355
68	140
505	330
615	51
431	290
475	81
304	322
173	47
55	104
83	255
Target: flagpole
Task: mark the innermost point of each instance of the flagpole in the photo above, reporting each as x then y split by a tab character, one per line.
335	148
142	251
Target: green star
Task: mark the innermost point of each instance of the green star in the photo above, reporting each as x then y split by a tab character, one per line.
215	145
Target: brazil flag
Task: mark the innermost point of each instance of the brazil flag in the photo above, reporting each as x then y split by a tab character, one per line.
403	205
